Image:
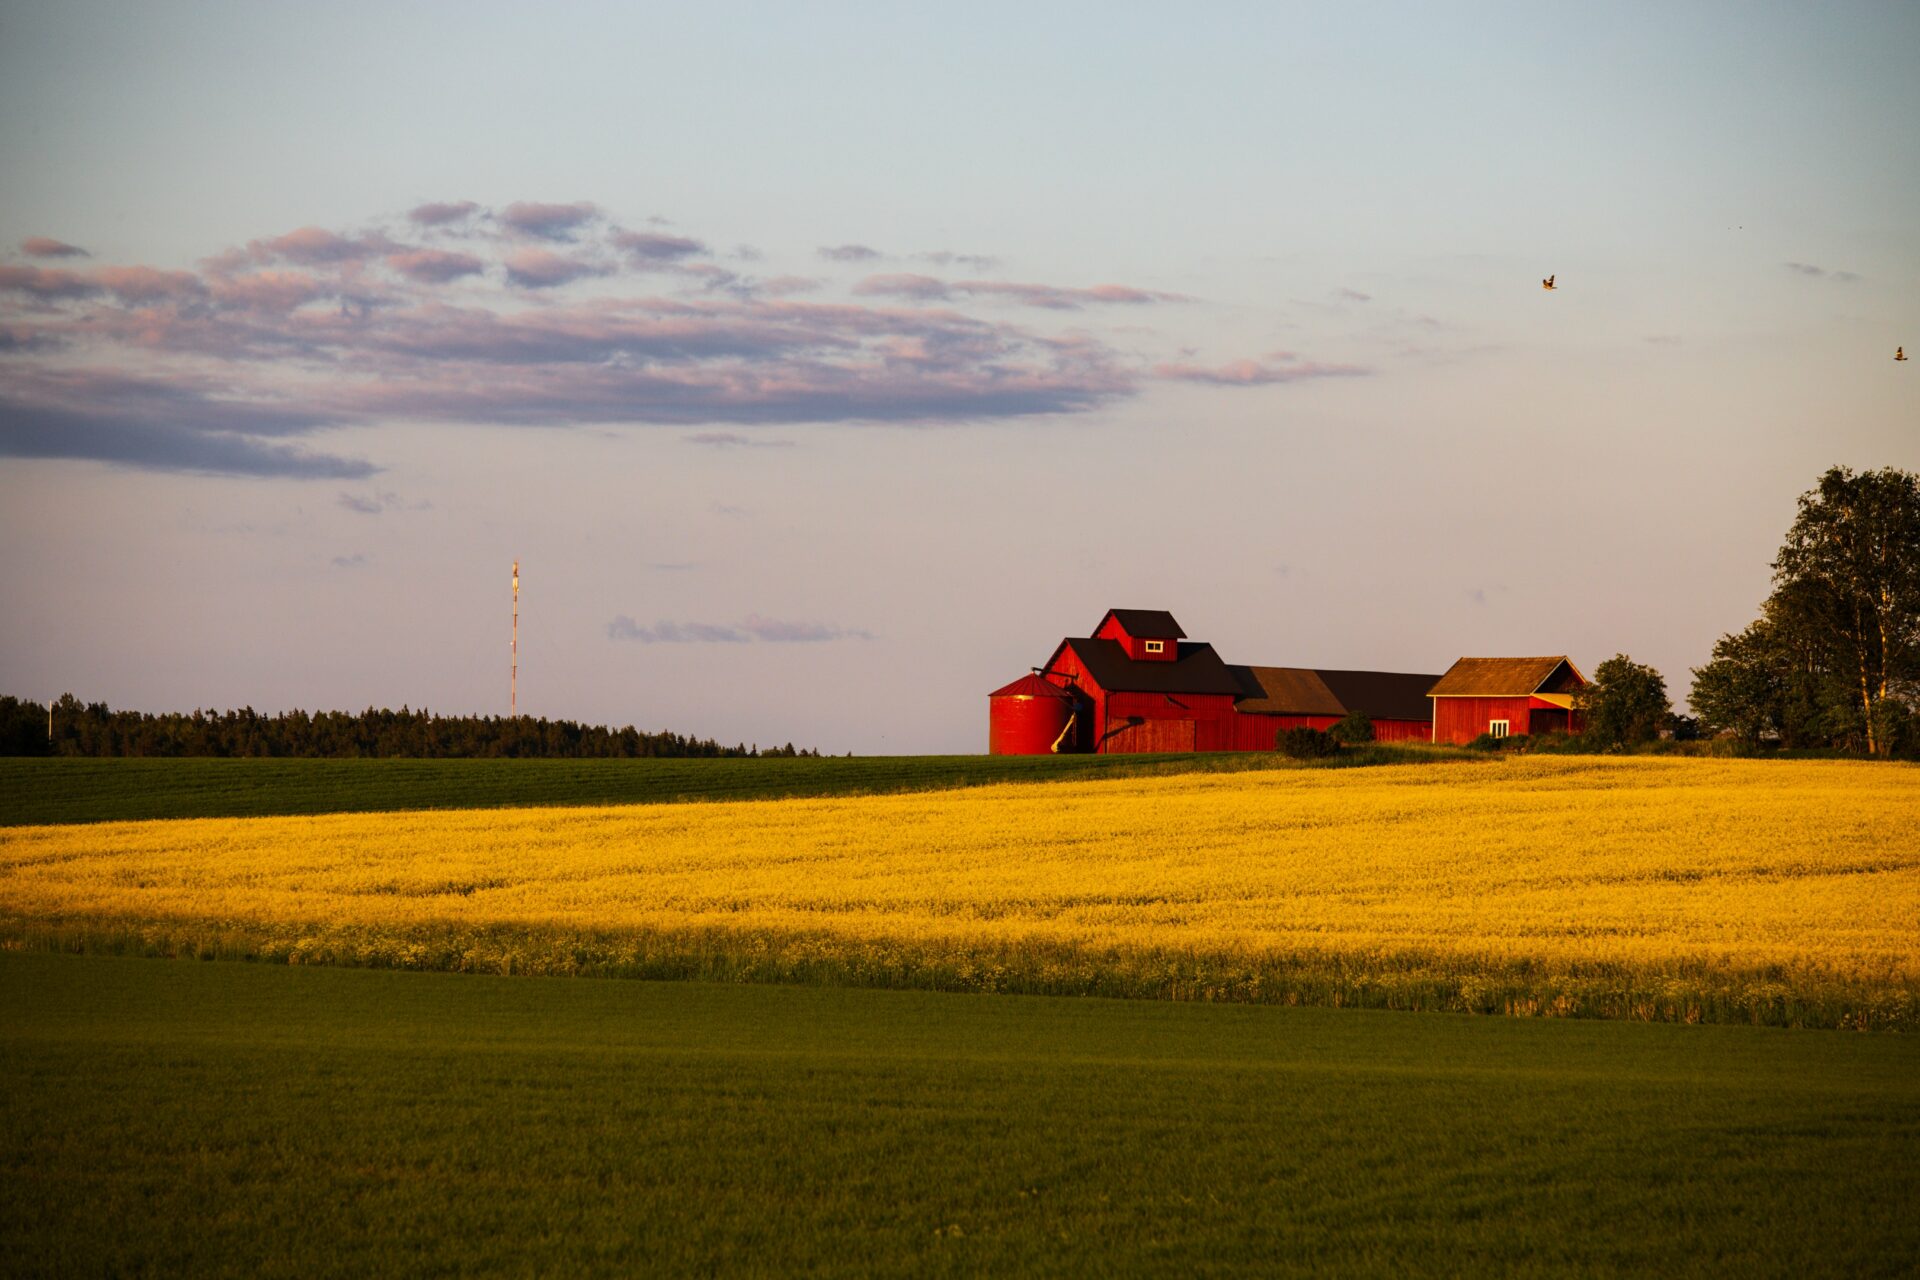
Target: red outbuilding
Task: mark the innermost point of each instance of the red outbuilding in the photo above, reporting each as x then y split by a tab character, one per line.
1505	697
1138	684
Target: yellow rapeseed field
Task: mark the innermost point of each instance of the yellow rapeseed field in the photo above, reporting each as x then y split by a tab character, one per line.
1784	892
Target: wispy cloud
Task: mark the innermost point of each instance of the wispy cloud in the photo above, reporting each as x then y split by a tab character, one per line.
904	285
1280	367
653	247
775	631
754	627
1820	273
357	560
1352	295
441	213
848	253
48	247
733	440
667	632
380	503
922	288
971	261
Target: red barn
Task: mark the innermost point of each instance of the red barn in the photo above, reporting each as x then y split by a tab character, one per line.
1506	697
1146	686
1138	684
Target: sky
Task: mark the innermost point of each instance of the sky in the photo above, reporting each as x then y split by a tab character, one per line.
823	366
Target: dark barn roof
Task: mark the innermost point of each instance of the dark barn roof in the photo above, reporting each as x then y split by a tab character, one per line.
1303	691
1145	624
1196	669
1384	695
1293	691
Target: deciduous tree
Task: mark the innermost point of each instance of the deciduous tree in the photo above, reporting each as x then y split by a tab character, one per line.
1625	704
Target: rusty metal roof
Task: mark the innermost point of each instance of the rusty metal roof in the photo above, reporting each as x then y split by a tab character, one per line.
1196	668
1506	677
1145	624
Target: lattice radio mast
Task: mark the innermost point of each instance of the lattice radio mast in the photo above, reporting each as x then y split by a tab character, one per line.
513	679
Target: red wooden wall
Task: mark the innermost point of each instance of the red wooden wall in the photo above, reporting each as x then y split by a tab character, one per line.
1169	722
1464	719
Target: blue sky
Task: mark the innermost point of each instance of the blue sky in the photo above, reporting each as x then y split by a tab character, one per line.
1233	313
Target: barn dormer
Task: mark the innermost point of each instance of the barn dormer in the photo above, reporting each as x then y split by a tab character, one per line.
1147	635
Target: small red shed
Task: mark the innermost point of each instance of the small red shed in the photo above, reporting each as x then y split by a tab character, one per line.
1505	697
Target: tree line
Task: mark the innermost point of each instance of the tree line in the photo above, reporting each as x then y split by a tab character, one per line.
78	728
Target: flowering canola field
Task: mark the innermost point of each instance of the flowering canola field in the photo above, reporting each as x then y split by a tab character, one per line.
1686	889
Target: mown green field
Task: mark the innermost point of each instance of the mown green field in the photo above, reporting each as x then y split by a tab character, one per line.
248	1120
67	789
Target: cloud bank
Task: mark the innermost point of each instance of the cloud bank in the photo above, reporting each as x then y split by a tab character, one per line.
535	315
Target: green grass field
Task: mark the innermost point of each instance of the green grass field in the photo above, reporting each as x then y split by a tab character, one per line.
231	1119
67	789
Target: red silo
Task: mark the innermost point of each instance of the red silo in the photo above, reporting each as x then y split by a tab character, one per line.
1029	717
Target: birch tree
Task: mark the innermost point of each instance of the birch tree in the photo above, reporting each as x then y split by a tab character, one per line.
1850	573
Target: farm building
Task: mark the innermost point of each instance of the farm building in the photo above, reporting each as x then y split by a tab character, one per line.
1138	684
1505	697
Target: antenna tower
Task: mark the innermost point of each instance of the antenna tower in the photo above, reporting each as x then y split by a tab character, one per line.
513	679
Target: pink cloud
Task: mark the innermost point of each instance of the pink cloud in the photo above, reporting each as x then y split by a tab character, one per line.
46	283
541	269
271	291
651	246
434	266
143	285
903	285
48	247
440	213
782	286
315	246
548	221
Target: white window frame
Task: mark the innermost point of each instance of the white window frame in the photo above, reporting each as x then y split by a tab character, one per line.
1156	646
1500	728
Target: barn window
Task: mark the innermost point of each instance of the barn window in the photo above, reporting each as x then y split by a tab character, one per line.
1156	646
1498	728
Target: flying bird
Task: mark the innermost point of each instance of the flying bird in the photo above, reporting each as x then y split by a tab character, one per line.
1899	353
1547	283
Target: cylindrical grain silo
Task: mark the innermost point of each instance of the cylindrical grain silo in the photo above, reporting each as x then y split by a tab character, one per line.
1029	718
